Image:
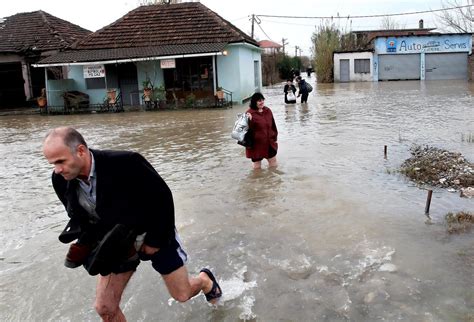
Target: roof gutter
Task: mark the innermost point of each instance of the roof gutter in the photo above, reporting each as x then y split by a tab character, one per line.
245	44
128	60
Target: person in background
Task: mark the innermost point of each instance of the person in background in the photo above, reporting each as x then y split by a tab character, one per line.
121	211
290	90
303	90
265	133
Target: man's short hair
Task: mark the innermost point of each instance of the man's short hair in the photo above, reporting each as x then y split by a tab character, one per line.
71	137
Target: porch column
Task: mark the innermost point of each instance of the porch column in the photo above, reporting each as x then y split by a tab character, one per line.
214	76
25	70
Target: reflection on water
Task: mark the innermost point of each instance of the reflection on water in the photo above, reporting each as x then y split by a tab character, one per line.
334	233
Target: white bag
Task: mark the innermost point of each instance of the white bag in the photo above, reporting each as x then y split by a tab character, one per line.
290	96
241	127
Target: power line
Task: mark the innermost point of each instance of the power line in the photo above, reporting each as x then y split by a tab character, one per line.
258	24
313	25
366	16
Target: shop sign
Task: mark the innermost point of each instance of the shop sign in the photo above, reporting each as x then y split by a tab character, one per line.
424	44
94	71
167	63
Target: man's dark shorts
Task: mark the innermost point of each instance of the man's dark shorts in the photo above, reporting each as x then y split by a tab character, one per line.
167	259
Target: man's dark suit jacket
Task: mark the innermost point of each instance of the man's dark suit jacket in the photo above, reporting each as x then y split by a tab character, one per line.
129	192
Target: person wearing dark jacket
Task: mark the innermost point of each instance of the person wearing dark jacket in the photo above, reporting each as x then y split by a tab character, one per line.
290	91
265	133
121	211
303	90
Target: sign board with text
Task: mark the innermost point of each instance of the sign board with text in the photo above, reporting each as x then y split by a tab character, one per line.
167	63
436	43
94	71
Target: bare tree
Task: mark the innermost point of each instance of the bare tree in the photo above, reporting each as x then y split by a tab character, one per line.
388	23
458	19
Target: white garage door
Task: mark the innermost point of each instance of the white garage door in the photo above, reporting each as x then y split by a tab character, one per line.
446	66
397	67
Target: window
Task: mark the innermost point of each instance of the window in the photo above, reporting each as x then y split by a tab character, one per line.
256	73
95	83
362	66
190	74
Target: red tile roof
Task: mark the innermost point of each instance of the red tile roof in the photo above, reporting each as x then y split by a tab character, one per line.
38	31
172	24
269	44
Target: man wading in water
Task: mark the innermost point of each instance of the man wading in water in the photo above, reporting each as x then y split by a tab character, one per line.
121	211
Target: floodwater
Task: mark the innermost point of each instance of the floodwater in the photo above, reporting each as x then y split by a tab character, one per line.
333	234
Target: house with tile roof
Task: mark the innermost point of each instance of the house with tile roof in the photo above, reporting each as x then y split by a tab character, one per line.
25	39
186	48
270	47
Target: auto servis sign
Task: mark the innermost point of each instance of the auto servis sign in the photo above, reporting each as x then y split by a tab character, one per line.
419	44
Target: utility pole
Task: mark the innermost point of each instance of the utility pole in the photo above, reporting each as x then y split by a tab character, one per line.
253	21
283	43
296	51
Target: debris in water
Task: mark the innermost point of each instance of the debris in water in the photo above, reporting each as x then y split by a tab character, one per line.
439	168
459	222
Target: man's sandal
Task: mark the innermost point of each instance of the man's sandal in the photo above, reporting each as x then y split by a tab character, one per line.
216	291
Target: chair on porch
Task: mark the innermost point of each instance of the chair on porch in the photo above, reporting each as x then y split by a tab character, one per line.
113	102
223	97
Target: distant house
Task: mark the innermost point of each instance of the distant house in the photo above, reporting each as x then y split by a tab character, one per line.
270	47
184	47
25	39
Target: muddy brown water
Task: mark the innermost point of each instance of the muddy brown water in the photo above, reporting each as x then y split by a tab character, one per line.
333	234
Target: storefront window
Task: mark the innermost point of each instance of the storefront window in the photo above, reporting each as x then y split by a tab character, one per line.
190	74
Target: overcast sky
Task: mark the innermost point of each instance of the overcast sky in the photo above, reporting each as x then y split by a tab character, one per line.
95	14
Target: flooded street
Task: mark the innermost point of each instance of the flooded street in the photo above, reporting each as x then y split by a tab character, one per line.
334	233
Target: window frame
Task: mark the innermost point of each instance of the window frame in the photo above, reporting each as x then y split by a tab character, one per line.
362	65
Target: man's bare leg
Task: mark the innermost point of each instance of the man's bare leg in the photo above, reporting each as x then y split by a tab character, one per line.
109	292
182	287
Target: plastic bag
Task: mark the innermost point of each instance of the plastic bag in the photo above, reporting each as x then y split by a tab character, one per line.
241	127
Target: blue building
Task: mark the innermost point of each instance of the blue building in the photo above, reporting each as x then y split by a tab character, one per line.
427	57
182	49
405	54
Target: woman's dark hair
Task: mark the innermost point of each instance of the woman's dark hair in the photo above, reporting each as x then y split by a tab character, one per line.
253	100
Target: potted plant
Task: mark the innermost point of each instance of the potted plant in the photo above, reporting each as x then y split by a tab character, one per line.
159	96
190	100
112	95
41	100
147	90
219	93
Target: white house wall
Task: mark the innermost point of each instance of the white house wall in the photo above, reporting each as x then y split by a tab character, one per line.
353	77
236	71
